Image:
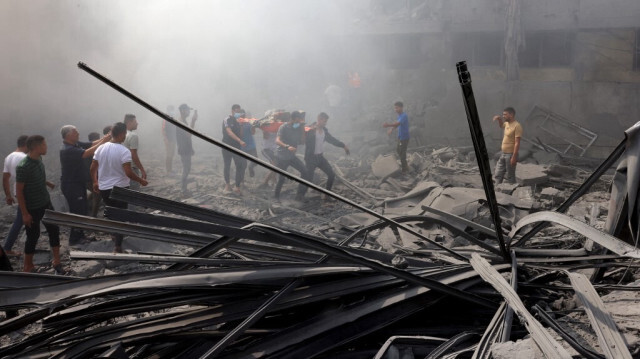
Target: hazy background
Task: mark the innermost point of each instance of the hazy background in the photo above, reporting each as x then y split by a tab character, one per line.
209	54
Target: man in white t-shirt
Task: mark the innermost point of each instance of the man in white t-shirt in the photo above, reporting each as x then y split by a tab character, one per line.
9	186
133	144
111	167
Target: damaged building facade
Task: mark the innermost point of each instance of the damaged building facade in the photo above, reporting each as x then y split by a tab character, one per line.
438	263
579	58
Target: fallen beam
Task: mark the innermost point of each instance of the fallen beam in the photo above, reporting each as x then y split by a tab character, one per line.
549	346
611	341
608	241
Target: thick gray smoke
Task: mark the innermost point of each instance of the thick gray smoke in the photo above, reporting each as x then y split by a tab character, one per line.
209	54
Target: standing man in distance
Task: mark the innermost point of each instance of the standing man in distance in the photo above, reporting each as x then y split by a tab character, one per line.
314	149
111	167
74	178
510	146
132	143
185	146
33	199
169	137
9	186
232	136
402	124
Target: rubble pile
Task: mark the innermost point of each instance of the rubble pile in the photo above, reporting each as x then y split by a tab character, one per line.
218	275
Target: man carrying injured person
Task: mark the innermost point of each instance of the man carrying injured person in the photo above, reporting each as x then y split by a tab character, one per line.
289	137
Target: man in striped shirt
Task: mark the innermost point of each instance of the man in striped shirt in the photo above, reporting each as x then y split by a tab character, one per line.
33	199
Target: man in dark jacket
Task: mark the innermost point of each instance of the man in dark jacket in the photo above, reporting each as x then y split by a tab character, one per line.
313	154
289	137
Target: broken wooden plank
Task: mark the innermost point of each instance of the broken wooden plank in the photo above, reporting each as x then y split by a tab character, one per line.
549	346
611	341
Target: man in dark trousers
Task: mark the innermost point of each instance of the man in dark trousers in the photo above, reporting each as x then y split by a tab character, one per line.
402	124
289	137
314	150
33	199
232	136
111	167
184	143
75	174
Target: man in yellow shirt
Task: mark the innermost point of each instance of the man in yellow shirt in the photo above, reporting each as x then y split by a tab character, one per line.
510	146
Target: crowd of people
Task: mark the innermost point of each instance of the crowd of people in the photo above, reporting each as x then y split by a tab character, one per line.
113	160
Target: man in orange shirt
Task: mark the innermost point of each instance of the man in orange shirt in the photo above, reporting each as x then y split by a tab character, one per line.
510	146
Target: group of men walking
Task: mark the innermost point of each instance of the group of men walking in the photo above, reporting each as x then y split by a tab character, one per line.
114	162
280	149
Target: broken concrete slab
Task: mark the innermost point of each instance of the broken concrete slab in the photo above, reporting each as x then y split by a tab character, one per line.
385	166
506	188
550	193
529	174
556	170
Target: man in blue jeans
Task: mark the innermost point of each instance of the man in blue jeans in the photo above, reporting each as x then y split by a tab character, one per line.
9	186
510	146
402	124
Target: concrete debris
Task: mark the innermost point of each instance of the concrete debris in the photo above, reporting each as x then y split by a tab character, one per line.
506	188
385	166
530	174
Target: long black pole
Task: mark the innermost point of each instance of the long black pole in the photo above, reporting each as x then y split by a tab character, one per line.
245	155
481	151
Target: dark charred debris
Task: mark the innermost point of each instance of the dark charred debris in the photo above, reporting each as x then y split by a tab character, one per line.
422	273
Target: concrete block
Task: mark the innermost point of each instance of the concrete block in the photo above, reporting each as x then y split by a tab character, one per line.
529	174
385	166
507	188
562	171
549	193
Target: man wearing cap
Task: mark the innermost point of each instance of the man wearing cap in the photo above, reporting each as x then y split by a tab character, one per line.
232	136
289	137
185	146
75	175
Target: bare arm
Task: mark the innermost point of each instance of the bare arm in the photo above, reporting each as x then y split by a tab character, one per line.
7	188
26	217
499	120
132	175
394	124
94	175
194	118
235	138
282	144
136	161
94	146
516	148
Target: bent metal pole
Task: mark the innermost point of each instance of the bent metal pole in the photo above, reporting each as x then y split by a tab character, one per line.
238	152
481	151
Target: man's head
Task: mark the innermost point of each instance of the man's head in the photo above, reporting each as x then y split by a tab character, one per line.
118	132
322	119
399	107
22	142
70	134
236	111
106	130
37	145
131	122
509	114
185	110
93	136
297	116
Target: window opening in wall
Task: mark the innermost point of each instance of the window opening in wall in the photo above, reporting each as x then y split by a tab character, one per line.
547	49
479	48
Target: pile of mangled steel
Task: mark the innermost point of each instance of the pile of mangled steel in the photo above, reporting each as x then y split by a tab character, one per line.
250	290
